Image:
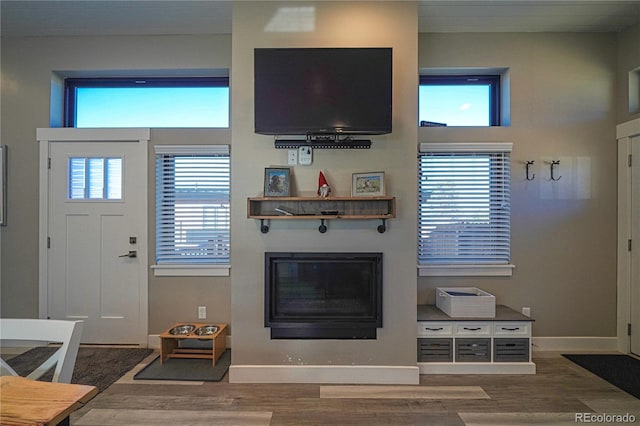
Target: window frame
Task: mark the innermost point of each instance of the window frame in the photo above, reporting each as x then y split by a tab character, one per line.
492	80
71	84
189	268
495	268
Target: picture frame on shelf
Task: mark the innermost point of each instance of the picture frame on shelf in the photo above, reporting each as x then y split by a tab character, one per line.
370	184
277	182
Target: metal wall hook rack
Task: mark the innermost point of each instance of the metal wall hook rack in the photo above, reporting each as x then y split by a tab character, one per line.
527	166
552	170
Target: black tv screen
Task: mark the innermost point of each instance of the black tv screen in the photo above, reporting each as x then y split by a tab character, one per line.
306	91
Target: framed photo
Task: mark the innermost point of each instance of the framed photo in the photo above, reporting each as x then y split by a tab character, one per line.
277	182
367	184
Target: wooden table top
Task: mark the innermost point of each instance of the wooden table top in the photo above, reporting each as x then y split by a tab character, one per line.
30	402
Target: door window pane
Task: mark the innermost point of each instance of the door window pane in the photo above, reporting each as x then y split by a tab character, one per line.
95	178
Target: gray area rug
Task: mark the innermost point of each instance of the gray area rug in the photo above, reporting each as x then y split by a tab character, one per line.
186	369
622	371
99	367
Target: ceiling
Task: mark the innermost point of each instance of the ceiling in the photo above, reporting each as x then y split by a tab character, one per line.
151	17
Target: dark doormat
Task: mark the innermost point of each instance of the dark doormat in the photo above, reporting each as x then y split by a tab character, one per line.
95	366
186	369
622	371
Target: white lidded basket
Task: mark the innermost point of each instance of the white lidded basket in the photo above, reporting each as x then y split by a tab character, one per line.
466	302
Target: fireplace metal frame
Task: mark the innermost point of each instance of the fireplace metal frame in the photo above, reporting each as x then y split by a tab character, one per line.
323	327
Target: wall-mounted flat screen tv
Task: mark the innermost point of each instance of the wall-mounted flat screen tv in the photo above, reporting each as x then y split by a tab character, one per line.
307	91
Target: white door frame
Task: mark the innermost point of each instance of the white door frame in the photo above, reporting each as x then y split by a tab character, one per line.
624	133
46	137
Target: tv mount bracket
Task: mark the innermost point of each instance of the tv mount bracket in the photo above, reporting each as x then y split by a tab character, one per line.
330	141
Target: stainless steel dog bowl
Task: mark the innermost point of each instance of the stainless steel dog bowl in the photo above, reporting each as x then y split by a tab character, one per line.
206	330
182	330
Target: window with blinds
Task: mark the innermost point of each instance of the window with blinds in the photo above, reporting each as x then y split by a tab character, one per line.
192	204
464	209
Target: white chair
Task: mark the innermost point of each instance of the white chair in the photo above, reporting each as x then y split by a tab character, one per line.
67	333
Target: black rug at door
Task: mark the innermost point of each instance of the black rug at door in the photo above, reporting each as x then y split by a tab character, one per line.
186	369
622	371
95	366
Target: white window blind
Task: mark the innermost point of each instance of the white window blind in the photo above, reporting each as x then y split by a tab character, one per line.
464	205
192	204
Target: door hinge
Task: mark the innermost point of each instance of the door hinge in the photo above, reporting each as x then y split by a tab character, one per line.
49	163
629	160
629	329
629	244
48	242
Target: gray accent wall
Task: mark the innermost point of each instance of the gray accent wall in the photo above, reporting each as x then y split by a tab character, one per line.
335	24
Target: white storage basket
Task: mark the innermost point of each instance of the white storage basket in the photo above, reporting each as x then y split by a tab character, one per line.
466	302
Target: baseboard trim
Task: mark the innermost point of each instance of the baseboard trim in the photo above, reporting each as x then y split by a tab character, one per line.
477	367
575	344
153	341
326	374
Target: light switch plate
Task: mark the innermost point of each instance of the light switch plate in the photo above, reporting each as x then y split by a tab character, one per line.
292	157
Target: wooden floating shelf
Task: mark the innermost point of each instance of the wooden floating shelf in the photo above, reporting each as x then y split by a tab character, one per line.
312	208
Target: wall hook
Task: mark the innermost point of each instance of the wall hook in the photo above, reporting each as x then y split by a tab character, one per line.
533	175
552	167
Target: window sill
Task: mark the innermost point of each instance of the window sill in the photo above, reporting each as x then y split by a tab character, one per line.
465	270
191	270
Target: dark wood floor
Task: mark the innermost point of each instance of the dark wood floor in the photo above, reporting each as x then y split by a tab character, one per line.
555	395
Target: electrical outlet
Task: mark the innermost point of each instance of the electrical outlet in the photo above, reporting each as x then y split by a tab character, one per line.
526	311
292	157
202	312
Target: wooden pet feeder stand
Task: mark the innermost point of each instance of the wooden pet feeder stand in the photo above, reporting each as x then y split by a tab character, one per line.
216	333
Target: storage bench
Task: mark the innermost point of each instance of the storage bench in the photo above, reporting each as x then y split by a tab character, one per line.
467	345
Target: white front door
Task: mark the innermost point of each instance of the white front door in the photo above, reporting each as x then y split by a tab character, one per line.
97	248
635	249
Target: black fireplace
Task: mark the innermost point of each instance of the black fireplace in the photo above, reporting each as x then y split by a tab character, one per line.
323	295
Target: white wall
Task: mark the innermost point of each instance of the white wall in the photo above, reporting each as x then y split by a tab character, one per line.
26	91
628	62
563	97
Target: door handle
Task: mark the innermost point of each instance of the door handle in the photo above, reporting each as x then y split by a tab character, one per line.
131	254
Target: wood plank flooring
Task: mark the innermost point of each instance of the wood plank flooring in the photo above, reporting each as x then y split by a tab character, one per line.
553	396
